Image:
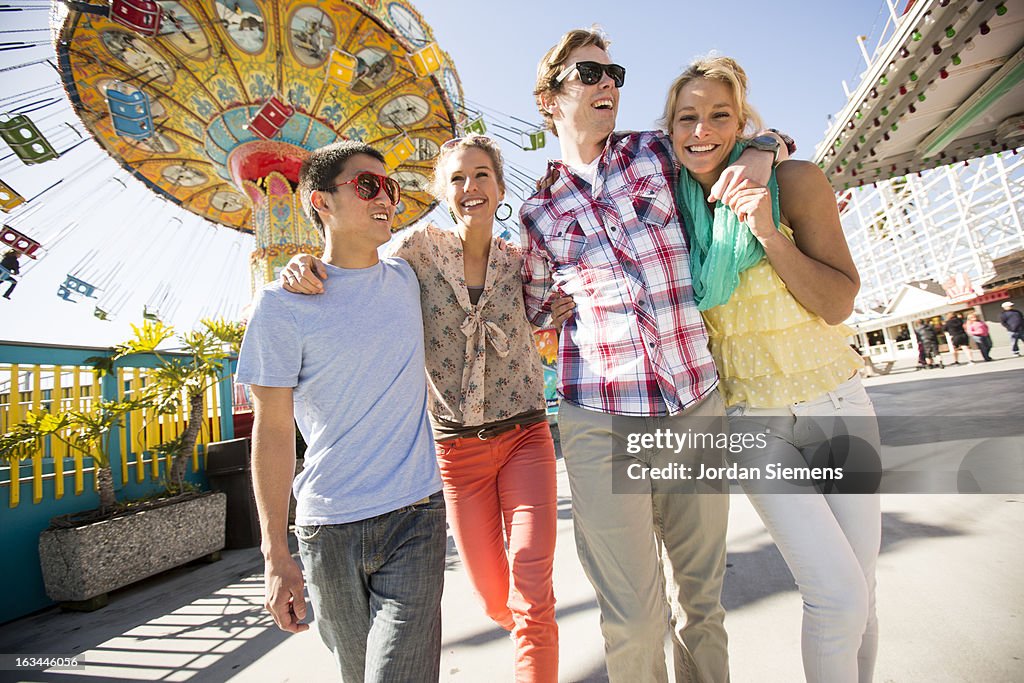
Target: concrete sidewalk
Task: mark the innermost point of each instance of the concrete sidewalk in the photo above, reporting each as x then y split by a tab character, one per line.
950	595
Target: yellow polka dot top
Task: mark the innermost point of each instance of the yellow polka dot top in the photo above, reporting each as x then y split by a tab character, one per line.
770	350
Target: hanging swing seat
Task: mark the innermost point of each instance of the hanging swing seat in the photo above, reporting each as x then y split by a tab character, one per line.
398	153
270	118
25	139
341	68
426	60
141	16
74	285
9	198
533	140
476	127
130	113
19	242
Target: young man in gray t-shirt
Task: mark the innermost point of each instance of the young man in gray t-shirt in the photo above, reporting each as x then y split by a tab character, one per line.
348	367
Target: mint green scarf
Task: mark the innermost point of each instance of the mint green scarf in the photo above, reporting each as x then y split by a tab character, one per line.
721	247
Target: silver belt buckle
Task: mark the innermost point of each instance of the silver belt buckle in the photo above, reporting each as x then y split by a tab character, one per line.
480	434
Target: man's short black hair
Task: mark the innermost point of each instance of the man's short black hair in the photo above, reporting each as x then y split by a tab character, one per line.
320	169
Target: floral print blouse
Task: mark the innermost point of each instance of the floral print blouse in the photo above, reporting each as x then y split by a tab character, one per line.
482	365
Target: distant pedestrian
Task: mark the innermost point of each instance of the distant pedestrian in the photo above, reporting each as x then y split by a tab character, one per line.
920	349
978	330
10	269
929	342
954	328
1013	321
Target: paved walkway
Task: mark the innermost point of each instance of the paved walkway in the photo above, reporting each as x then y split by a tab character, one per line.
950	596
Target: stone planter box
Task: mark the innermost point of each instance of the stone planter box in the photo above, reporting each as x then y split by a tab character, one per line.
82	563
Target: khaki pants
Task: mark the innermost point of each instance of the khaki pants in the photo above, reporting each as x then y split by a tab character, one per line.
621	539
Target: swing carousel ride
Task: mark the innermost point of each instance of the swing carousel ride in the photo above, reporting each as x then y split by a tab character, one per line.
213	105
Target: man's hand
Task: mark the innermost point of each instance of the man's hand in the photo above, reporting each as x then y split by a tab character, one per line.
303	275
752	169
561	310
285	599
548	180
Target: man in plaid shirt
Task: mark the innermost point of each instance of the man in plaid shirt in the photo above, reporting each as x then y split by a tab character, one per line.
632	360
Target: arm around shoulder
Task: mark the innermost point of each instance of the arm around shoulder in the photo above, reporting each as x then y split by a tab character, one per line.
536	271
303	274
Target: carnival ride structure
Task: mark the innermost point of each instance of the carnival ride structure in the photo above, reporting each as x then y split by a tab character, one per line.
212	105
215	104
924	156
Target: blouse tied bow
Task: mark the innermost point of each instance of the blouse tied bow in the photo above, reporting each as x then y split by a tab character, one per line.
479	332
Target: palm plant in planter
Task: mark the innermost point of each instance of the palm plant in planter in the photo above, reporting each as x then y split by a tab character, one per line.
88	430
178	379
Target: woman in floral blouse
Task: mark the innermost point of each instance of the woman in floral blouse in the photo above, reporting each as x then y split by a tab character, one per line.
486	401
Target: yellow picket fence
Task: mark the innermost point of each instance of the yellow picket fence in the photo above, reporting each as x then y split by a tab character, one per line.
28	388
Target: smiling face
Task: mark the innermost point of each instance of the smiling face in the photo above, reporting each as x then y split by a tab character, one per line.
704	128
585	111
472	189
346	215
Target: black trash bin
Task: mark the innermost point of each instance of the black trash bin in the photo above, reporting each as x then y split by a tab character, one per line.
229	470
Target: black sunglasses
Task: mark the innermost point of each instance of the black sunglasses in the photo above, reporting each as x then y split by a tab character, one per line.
368	186
590	73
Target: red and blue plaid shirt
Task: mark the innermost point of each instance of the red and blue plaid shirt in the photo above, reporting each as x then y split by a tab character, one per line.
636	344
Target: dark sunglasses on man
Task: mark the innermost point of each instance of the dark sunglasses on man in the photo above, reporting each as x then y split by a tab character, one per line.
368	186
590	73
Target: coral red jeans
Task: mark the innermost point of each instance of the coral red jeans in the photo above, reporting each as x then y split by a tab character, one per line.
502	490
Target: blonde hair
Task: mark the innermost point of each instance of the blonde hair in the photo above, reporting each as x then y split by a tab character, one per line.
554	61
715	68
438	181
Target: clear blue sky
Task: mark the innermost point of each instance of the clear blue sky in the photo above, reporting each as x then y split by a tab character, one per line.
795	54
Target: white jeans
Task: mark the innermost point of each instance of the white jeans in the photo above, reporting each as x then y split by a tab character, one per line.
830	541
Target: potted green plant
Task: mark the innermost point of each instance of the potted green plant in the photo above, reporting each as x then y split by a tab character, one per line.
183	378
88	430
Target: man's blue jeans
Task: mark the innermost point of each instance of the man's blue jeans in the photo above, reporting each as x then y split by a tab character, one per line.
376	588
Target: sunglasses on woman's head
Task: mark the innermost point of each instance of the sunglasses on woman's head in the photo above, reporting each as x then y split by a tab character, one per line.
590	73
368	186
455	141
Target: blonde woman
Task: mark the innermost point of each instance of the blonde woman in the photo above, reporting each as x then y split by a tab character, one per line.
774	279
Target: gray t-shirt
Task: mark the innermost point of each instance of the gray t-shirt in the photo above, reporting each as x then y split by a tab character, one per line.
354	355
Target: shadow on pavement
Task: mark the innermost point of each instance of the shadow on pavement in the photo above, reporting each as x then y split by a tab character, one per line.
949	409
179	625
758	574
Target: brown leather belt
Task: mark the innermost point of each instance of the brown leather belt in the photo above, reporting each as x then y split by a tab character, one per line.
491	432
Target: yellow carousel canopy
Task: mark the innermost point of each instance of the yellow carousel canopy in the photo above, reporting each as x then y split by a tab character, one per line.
201	98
